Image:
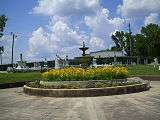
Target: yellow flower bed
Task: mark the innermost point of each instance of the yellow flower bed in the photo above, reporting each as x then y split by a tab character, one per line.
102	73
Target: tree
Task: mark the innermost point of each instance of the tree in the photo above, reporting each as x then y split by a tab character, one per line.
118	39
145	44
141	46
124	41
3	20
151	35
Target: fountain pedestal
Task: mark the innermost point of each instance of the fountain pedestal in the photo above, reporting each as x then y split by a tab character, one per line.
85	60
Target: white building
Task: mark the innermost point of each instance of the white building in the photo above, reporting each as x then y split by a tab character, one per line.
107	54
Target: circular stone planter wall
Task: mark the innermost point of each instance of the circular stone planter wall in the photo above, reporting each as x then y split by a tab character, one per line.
87	92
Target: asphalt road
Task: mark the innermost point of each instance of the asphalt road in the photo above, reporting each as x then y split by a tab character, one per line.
15	105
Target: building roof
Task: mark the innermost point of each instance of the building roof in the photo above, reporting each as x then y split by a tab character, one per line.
105	54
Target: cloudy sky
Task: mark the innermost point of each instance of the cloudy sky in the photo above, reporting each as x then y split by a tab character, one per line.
45	28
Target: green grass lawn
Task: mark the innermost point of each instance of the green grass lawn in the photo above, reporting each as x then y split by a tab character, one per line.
32	76
19	77
143	70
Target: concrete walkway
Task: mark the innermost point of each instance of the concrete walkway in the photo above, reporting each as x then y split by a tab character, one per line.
15	105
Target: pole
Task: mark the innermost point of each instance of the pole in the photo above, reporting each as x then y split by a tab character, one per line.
13	37
1	52
1	58
130	33
130	42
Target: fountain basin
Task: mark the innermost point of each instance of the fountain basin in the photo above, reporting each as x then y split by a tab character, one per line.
87	92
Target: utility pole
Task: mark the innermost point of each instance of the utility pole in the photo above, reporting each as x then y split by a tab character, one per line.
13	38
1	52
130	43
130	33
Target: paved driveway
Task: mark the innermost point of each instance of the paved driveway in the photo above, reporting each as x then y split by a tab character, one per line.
15	105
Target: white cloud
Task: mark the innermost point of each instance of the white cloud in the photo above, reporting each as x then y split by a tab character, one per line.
117	22
152	18
96	43
138	8
65	35
101	26
38	42
72	21
66	7
59	38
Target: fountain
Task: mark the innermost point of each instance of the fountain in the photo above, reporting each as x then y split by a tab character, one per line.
85	59
84	48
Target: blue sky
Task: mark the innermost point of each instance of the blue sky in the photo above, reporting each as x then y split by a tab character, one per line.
20	20
48	27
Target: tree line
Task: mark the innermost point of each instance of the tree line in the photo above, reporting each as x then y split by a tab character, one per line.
144	44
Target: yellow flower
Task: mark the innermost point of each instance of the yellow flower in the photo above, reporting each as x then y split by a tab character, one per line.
85	74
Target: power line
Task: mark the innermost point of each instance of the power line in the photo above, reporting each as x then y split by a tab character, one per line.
19	34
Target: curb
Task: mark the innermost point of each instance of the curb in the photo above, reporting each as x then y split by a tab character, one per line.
87	92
